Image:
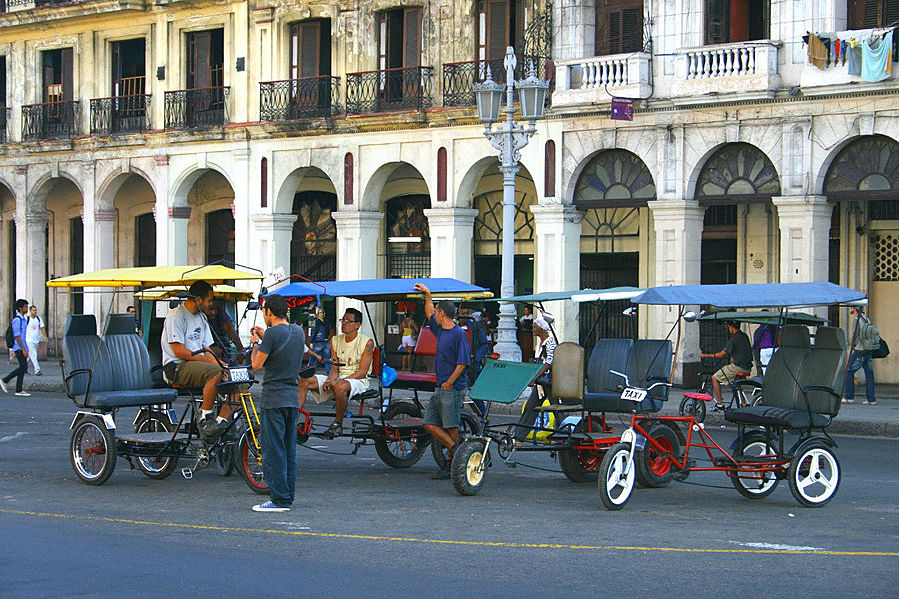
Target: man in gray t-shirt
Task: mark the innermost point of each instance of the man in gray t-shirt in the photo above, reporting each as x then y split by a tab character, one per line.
280	353
739	350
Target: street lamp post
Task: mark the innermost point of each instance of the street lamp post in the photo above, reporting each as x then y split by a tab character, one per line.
508	140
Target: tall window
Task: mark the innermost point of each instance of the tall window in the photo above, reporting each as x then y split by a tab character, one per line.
57	75
205	59
220	236
728	21
310	48
145	240
619	26
500	24
399	38
129	67
868	14
76	260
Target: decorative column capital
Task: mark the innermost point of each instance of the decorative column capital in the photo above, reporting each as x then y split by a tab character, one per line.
459	217
667	211
105	215
800	205
274	221
37	219
179	212
556	213
359	219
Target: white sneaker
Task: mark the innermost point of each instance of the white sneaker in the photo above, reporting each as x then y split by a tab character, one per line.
3	386
268	506
847	400
23	393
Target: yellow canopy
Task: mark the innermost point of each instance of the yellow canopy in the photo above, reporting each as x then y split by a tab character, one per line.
154	276
221	291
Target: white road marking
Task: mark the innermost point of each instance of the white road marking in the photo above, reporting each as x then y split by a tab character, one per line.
778	546
11	437
292	525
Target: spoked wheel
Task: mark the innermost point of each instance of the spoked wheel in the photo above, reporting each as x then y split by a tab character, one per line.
223	456
93	451
755	485
693	407
249	462
580	465
814	475
160	467
469	467
655	466
396	448
468	427
617	474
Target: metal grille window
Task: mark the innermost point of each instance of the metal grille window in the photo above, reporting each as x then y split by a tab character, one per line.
886	256
408	240
313	246
488	225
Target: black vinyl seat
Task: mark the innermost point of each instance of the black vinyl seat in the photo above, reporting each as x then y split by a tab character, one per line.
645	362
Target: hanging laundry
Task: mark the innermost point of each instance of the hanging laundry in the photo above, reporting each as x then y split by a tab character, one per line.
855	60
817	52
836	52
877	58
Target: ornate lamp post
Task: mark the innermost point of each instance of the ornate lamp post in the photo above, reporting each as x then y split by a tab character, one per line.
508	140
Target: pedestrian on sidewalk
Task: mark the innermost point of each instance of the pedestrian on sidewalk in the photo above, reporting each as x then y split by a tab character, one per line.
280	352
860	358
34	334
19	324
452	357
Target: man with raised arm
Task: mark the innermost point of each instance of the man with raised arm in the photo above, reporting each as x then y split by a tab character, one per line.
451	359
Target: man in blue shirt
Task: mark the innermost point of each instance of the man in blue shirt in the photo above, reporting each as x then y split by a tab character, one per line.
452	357
19	325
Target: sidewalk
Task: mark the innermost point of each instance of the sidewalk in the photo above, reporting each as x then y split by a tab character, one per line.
881	420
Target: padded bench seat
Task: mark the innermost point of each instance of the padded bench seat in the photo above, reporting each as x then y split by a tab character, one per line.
417	377
777	417
130	398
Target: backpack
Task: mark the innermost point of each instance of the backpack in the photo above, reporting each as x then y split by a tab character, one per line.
10	336
869	336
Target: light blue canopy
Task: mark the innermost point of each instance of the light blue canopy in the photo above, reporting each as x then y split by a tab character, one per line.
748	295
383	289
578	295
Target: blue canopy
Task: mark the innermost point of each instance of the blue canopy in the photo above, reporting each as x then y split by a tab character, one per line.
383	289
760	295
578	295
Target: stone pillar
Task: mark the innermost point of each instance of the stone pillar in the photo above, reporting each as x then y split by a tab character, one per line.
31	257
178	217
358	234
574	29
161	210
451	231
557	263
804	223
99	253
241	206
271	243
678	232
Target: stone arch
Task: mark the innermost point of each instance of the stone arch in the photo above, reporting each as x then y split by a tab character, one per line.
471	178
304	178
41	188
841	170
391	180
184	182
737	170
108	189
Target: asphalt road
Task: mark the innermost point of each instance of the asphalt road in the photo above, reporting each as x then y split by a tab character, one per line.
360	528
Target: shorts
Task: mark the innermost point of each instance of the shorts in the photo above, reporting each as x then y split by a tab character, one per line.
357	386
194	373
728	373
408	341
445	408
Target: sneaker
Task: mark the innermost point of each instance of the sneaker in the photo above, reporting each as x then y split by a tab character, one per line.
3	386
847	400
268	506
211	429
442	474
717	408
39	373
864	403
26	394
333	431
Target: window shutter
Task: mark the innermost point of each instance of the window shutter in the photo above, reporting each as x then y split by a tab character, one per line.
614	28
497	29
382	41
310	35
871	15
68	79
293	51
199	67
632	29
890	15
116	68
412	35
716	17
601	45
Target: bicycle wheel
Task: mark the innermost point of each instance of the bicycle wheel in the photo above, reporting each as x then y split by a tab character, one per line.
580	465
469	467
814	474
616	477
92	451
400	450
155	467
468	427
755	485
249	462
654	466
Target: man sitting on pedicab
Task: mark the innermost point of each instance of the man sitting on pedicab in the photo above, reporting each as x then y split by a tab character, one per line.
739	350
354	352
185	331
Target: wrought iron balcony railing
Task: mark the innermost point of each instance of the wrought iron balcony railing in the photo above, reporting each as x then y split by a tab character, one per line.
120	114
298	99
204	108
50	120
459	77
391	90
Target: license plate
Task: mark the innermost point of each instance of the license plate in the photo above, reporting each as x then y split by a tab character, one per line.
635	395
239	374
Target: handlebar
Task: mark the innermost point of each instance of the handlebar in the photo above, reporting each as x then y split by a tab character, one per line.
627	382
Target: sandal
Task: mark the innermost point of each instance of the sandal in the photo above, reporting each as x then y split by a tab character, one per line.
333	431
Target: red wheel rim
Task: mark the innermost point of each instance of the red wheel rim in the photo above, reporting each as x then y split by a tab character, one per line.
659	463
248	462
589	460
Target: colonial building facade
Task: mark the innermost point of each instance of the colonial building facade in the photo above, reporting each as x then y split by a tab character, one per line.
322	137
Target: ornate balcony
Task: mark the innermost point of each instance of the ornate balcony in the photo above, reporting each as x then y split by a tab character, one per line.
459	77
204	108
749	68
391	90
120	115
52	120
299	99
599	78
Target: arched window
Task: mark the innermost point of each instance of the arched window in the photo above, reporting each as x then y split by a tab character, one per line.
613	179
408	237
737	173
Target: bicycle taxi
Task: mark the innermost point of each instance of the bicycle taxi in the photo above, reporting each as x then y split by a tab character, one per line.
800	397
105	374
393	425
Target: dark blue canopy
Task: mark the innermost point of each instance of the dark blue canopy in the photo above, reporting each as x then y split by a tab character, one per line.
761	295
383	289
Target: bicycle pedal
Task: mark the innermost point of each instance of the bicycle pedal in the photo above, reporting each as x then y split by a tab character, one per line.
187	473
510	464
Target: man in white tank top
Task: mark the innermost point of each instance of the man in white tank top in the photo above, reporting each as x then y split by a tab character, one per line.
355	352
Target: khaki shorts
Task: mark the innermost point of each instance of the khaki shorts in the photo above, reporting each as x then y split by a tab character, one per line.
194	373
728	373
357	386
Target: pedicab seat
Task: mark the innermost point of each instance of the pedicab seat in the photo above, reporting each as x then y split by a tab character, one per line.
645	362
802	386
103	379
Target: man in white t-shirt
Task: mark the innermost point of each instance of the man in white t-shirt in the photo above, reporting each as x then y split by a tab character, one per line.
34	334
186	331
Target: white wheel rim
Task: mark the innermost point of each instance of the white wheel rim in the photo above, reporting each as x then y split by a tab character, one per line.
473	473
758	482
817	475
621	475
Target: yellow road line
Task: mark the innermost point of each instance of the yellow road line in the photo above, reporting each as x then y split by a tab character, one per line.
503	544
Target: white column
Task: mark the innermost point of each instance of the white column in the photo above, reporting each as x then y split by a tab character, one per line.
241	210
31	256
451	231
557	263
678	232
176	251
99	253
271	243
358	233
161	210
804	223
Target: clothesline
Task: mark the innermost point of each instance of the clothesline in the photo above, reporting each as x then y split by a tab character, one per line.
867	53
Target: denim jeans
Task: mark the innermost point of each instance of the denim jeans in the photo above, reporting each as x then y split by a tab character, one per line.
279	453
860	359
18	373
